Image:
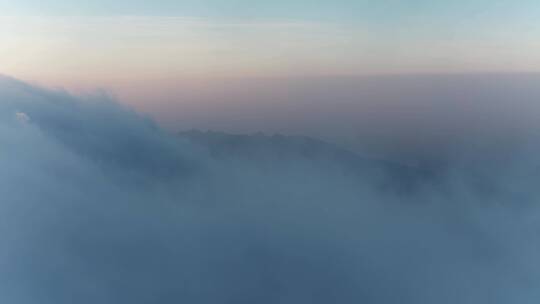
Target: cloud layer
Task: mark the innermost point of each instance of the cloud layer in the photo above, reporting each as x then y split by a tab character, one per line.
99	205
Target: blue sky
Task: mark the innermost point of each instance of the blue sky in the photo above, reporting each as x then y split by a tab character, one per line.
430	18
337	10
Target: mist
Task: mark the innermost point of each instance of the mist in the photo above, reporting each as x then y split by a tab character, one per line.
99	204
414	118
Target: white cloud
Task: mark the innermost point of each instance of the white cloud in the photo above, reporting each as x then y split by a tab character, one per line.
22	117
98	205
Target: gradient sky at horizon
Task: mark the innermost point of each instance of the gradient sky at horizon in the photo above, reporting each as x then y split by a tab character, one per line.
167	38
222	63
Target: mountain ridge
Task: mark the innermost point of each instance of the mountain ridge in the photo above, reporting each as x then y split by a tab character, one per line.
260	147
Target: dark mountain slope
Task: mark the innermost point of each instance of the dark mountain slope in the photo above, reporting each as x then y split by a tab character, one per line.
261	149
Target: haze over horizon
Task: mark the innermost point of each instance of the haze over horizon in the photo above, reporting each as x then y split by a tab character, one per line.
246	38
420	73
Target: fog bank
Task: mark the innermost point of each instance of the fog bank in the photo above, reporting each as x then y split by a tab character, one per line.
100	205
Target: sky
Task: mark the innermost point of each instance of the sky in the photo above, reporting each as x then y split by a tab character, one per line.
246	38
229	65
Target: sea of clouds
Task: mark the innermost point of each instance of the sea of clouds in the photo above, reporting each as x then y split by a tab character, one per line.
99	205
